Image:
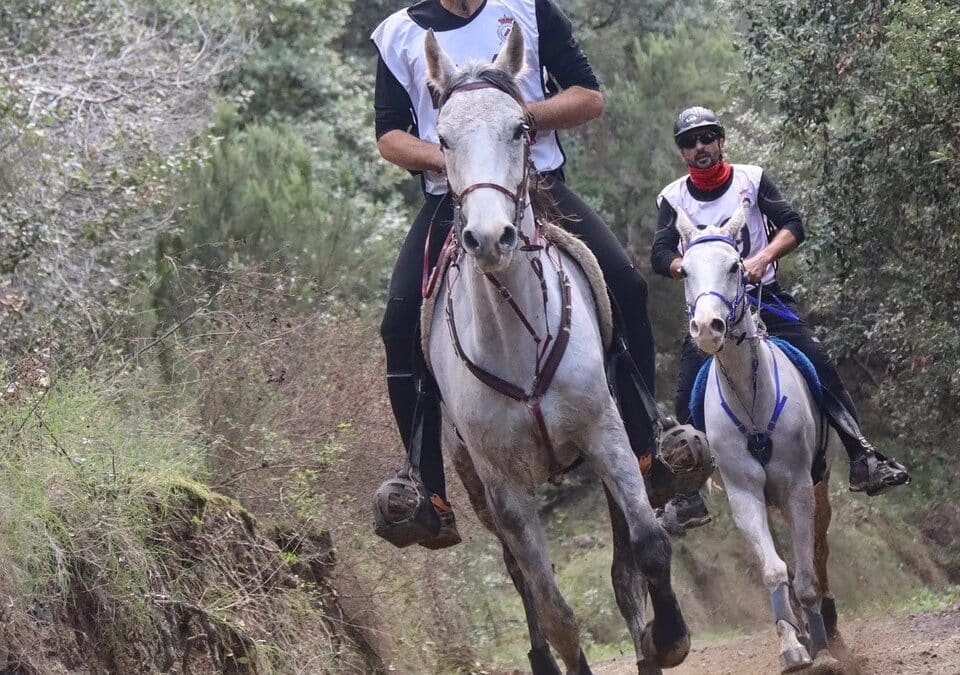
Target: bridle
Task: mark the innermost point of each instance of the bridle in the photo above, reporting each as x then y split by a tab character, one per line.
520	196
737	307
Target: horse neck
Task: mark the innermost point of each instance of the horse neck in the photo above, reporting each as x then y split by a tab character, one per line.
496	325
737	362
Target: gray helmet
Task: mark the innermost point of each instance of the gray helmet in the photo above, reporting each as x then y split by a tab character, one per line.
697	117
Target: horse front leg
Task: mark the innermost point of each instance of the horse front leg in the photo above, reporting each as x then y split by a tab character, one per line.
515	515
744	484
800	512
629	586
541	660
665	641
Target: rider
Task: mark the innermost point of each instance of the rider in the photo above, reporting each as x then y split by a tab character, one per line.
406	121
709	195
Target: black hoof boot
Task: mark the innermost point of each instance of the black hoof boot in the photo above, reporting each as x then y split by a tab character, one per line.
541	661
828	610
582	667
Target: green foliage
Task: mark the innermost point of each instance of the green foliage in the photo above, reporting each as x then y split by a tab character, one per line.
292	185
103	532
263	200
629	155
622	161
294	70
868	96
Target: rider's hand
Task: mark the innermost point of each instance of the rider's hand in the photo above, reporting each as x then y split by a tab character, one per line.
755	266
675	268
438	161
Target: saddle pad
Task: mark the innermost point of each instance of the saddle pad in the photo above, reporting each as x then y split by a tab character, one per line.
796	357
569	244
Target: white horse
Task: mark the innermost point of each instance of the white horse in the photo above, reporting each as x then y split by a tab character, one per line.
764	430
517	409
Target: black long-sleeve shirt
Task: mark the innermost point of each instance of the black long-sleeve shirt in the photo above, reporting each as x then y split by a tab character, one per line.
778	211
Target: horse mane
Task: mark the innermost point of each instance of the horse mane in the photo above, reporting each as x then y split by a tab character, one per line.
543	204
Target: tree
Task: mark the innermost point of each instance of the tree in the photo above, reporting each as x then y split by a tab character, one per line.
867	95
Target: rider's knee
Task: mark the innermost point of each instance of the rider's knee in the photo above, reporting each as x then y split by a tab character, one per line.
628	286
399	321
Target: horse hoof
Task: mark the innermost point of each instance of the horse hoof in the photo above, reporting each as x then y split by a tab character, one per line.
826	664
646	668
669	657
793	659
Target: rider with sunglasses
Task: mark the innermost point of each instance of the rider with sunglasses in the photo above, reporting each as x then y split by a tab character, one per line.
709	195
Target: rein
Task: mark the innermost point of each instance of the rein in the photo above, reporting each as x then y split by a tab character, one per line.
549	348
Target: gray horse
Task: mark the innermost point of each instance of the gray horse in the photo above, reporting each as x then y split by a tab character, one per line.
516	408
765	430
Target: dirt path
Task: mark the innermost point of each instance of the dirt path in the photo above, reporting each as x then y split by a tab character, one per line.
926	642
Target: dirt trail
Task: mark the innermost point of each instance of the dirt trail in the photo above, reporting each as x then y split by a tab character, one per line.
925	642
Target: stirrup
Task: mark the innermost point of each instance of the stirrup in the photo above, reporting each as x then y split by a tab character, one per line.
883	474
681	464
402	513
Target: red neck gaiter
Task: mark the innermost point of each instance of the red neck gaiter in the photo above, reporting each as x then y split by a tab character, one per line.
711	178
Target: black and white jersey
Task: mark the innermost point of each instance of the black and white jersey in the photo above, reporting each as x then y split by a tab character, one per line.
404	101
767	214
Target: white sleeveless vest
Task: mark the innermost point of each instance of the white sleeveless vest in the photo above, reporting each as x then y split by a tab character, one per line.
746	183
400	42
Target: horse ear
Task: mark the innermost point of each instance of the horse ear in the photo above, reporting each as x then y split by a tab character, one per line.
685	226
734	226
440	69
510	58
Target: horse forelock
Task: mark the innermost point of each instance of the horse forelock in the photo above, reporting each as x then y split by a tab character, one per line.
478	71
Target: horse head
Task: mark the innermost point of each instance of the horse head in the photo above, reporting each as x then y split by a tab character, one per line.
485	135
713	278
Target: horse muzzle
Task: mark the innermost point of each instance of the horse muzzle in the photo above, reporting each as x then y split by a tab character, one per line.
491	247
708	333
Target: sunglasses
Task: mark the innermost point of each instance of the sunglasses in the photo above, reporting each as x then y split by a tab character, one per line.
689	141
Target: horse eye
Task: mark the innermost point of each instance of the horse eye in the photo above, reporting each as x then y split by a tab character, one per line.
521	129
443	143
735	267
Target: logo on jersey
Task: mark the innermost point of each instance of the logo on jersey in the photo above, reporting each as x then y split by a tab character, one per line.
504	24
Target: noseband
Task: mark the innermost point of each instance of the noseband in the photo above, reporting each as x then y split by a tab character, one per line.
736	307
518	196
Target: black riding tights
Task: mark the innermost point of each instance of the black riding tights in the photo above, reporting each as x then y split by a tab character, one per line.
399	328
837	400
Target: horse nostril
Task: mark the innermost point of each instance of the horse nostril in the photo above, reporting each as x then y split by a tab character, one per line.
718	325
470	242
509	237
694	328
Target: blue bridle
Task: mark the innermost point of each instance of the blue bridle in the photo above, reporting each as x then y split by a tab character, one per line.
735	307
